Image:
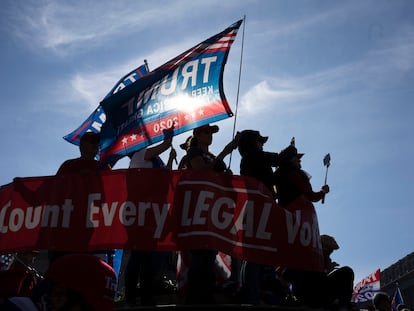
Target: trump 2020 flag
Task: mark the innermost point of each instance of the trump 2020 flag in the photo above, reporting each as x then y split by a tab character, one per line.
184	93
94	122
366	289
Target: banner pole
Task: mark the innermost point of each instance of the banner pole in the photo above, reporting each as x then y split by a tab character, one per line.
238	86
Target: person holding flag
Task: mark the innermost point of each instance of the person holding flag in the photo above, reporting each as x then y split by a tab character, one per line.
149	267
201	272
291	183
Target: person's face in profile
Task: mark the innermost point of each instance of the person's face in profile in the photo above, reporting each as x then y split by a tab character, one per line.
205	137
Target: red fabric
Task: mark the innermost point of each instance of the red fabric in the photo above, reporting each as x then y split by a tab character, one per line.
93	278
11	282
159	209
29	280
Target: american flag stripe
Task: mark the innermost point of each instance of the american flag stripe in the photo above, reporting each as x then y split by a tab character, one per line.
223	43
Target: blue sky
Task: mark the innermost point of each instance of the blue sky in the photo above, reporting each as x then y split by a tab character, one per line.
336	75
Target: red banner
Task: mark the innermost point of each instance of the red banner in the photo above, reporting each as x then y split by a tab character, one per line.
158	209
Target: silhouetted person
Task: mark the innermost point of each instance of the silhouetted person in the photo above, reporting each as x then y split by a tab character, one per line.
201	274
147	266
258	164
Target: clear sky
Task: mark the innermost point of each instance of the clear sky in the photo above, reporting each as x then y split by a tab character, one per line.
336	75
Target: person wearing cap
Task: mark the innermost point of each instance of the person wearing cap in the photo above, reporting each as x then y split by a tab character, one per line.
75	282
199	155
254	161
258	164
201	272
85	164
291	181
329	245
338	281
148	267
330	289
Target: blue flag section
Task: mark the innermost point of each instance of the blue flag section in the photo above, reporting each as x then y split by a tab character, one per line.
128	79
184	93
397	299
94	122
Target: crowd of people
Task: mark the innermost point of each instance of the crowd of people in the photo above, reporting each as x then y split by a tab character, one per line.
252	283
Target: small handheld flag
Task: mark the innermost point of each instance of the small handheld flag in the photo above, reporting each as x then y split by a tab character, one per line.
327	163
397	299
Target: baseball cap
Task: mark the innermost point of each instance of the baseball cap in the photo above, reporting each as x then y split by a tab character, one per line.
249	134
329	242
88	275
212	128
248	139
289	153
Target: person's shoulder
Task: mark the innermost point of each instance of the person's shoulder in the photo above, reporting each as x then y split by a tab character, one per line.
69	162
18	304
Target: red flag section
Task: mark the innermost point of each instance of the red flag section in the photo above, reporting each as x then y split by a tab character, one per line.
158	209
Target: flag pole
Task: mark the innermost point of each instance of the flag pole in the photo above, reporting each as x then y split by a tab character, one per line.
146	65
238	85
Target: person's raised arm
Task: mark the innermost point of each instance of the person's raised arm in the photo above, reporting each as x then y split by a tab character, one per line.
171	157
152	152
229	147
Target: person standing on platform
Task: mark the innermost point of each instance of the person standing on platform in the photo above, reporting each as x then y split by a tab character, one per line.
147	266
292	182
201	272
260	165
